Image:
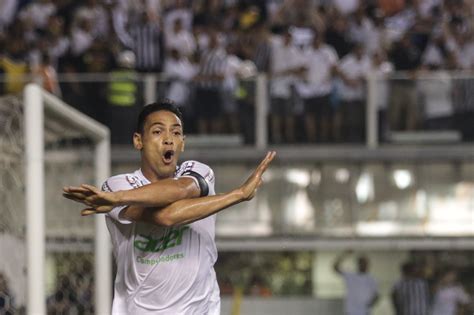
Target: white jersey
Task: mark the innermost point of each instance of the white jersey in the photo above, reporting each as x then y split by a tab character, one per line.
161	270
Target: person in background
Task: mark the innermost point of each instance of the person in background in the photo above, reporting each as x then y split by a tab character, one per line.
403	108
209	83
450	298
180	71
361	288
147	42
353	69
410	294
284	66
48	75
320	61
122	94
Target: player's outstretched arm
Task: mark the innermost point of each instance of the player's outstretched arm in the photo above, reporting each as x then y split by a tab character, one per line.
158	194
189	210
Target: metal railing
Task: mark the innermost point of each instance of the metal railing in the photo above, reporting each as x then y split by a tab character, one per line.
433	107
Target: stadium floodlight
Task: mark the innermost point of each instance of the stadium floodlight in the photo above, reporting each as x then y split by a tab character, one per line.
54	133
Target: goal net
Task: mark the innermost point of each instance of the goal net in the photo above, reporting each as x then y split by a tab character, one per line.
49	252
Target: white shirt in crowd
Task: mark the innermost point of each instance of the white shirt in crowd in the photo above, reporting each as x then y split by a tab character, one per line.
283	58
381	71
364	33
185	14
180	71
436	90
302	37
354	69
446	300
361	288
81	40
7	13
319	64
161	270
346	7
464	53
182	41
97	16
38	13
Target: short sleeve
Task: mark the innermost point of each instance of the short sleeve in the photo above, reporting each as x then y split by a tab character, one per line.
200	168
116	183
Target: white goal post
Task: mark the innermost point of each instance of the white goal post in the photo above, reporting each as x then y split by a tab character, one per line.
36	101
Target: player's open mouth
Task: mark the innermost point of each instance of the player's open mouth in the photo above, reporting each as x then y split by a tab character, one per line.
168	156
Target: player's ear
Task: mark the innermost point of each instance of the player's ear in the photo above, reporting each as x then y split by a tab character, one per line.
137	141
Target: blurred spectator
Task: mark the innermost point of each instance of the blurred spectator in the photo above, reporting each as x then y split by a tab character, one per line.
229	88
435	93
14	65
353	70
180	39
180	71
179	10
382	69
320	61
361	288
7	303
7	13
263	48
346	7
362	30
285	65
48	75
450	298
97	59
81	37
96	15
436	52
122	95
38	13
57	42
147	44
209	85
410	294
337	35
403	109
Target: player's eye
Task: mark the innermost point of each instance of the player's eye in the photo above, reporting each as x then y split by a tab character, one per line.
177	133
156	132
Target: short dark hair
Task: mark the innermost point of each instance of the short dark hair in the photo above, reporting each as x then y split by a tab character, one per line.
164	104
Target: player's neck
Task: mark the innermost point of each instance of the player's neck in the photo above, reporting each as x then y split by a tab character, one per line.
152	175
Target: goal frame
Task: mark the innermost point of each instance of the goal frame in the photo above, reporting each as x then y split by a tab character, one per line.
35	101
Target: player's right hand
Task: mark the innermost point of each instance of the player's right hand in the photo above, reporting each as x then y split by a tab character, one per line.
249	188
96	200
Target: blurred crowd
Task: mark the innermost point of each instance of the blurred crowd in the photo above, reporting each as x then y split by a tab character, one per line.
317	54
423	288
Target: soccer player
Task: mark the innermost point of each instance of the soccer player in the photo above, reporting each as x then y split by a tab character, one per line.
162	223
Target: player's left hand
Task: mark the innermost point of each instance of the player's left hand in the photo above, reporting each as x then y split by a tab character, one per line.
96	200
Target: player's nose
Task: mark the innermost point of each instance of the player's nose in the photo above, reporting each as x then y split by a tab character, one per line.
167	139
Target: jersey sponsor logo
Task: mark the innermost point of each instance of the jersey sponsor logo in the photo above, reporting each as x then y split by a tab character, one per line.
161	259
172	238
